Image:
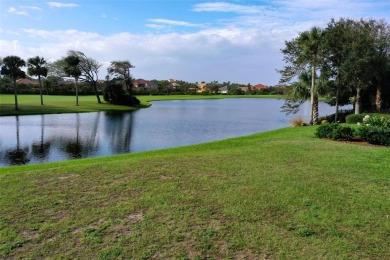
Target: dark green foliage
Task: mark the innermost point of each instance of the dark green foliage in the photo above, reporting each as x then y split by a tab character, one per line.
354	118
114	94
341	118
334	131
375	134
375	130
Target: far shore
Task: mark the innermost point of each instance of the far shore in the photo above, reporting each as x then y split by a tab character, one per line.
29	104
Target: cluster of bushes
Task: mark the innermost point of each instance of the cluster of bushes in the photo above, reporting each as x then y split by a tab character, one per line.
375	130
335	131
372	129
114	94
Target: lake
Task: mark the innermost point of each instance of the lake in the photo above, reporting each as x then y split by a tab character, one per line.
166	124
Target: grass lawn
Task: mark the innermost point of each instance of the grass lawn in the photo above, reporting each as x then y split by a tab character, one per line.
280	194
30	104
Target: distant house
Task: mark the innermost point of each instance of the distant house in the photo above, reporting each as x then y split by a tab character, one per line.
173	83
245	89
202	87
223	90
141	83
258	86
27	82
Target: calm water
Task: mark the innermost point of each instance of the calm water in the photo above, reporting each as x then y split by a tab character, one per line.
48	138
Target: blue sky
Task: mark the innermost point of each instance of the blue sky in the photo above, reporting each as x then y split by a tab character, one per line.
192	40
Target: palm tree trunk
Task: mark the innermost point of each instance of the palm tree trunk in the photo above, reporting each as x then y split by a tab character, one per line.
336	114
40	89
77	93
315	110
96	92
378	98
16	95
358	103
312	94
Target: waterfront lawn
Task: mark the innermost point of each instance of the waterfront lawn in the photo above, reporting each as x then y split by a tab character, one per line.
280	194
30	104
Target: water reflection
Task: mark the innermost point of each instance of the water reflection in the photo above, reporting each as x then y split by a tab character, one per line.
48	138
41	149
45	138
18	155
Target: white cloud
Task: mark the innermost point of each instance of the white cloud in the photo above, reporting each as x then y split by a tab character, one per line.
173	22
13	10
244	47
227	7
61	5
233	54
34	8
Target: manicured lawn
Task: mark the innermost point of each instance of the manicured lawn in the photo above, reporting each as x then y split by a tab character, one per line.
279	195
30	104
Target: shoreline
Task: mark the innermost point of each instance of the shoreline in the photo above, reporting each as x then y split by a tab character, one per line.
28	104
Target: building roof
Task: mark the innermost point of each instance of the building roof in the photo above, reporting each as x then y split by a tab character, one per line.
224	88
27	82
259	86
142	81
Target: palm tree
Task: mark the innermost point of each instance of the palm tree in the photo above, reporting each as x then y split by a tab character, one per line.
37	67
11	67
299	54
72	69
89	70
310	44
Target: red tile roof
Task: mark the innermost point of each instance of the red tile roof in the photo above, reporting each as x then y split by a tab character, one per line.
259	86
27	82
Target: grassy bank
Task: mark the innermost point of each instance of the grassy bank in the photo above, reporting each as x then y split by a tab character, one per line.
279	194
30	104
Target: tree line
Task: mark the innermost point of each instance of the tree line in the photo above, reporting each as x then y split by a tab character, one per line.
77	65
341	63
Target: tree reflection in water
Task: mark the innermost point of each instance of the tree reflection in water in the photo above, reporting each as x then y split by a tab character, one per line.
18	156
41	150
73	147
119	128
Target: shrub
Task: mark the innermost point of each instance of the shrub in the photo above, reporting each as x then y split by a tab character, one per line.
298	121
375	130
375	134
354	118
334	131
114	94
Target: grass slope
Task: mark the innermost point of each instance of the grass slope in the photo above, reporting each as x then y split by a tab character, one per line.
279	194
30	104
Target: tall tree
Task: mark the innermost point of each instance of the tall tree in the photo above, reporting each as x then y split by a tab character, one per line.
72	69
121	70
11	67
382	58
335	41
89	70
37	66
300	53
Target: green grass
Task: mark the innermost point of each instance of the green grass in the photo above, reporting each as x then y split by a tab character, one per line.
30	104
281	195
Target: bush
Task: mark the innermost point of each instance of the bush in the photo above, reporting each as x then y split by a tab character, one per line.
114	94
375	130
375	134
334	131
354	118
